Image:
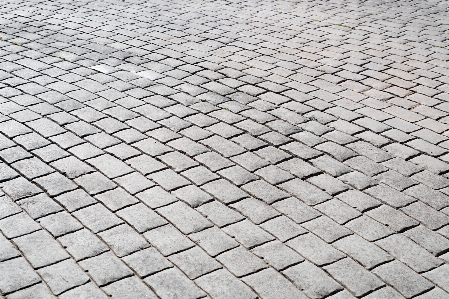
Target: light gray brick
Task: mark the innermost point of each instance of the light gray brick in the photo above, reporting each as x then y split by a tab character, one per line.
20	275
40	249
146	262
248	234
312	280
129	288
403	279
409	253
194	262
105	268
171	283
185	218
221	285
270	284
315	249
358	280
168	240
63	276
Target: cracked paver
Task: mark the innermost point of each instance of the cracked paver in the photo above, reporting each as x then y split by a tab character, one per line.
224	149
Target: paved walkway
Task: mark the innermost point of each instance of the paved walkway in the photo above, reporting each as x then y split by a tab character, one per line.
224	149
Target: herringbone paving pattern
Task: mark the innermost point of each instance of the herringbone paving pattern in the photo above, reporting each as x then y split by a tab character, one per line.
224	149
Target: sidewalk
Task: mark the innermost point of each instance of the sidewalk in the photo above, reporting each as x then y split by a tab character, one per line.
224	149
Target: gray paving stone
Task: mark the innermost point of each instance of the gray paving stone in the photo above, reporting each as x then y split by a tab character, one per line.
409	253
86	290
248	234
156	197
213	161
63	276
95	183
75	200
250	161
241	262
185	218
392	218
116	199
82	244
271	284
221	284
403	279
435	293
141	217
38	290
32	168
278	255
134	182
314	249
224	191
306	192
326	229
439	276
129	288
105	268
358	280
169	179
428	239
72	167
329	184
200	175
338	211
40	249
8	251
426	215
171	283
358	200
60	223
194	262
227	119
219	214
97	218
312	280
264	191
123	240
296	210
387	292
283	228
389	196
146	262
20	275
168	240
366	253
55	184
18	225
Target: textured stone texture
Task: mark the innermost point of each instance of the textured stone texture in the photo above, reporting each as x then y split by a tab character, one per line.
224	149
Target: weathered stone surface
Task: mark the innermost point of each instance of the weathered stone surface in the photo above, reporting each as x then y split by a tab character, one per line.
224	149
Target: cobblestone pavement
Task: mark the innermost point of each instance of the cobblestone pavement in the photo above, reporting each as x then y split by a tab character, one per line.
224	149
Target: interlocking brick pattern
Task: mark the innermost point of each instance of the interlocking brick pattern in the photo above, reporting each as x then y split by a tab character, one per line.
224	149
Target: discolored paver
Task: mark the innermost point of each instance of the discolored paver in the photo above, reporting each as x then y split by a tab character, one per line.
224	149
